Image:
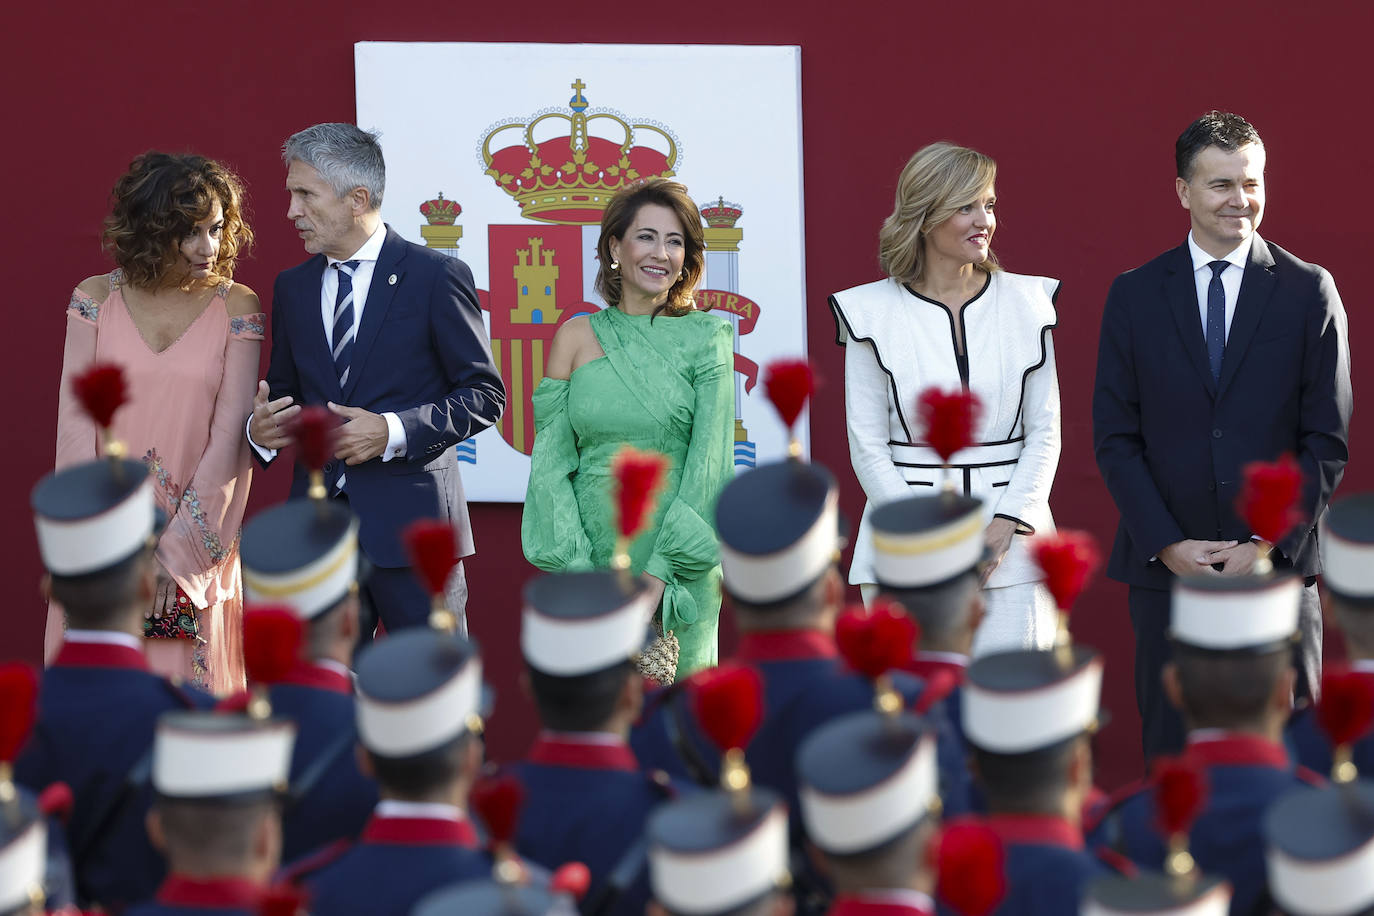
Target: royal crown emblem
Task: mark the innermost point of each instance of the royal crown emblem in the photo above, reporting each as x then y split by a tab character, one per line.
568	178
722	214
440	212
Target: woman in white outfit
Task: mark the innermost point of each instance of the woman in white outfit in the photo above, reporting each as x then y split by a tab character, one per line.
947	315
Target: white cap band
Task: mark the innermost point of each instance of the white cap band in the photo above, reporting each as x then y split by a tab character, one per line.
764	578
919	558
844	824
567	647
23	863
1215	902
1226	620
722	879
1016	722
73	547
1347	566
314	589
1331	887
404	729
195	763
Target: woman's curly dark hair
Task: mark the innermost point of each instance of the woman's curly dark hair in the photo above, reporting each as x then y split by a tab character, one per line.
616	221
158	202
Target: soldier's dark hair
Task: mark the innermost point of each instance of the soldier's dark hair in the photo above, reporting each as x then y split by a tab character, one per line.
1222	129
414	778
942	610
1030	783
96	601
210	834
584	703
1355	617
889	864
1228	689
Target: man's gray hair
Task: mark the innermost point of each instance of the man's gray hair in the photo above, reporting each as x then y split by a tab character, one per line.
346	156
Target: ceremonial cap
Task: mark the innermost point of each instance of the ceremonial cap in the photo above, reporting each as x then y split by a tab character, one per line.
302	554
716	851
779	530
1156	895
1320	850
921	541
488	897
1235	613
584	622
204	756
1347	547
23	855
418	690
93	516
1018	702
865	779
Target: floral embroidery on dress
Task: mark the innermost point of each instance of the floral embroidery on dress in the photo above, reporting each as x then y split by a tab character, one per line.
191	500
87	307
164	480
253	324
182	622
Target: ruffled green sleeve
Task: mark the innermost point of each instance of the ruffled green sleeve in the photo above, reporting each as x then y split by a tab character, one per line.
551	529
687	547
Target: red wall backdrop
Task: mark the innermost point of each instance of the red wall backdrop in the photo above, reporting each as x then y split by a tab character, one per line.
1079	102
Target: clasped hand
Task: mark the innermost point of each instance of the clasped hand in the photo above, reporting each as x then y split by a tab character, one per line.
362	436
1198	558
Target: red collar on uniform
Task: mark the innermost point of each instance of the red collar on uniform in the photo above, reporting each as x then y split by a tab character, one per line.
1238	750
1035	829
307	674
99	655
419	831
235	893
785	646
925	667
582	755
880	904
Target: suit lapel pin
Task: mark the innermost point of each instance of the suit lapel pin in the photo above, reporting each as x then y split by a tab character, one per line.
391	279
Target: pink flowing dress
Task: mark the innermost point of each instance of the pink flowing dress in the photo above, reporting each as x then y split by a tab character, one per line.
185	419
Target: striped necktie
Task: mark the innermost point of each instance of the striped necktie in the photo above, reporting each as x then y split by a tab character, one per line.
343	320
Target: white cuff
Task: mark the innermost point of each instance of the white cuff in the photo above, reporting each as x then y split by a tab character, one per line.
395	437
267	454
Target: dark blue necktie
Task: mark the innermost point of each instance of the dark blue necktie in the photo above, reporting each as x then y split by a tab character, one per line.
1216	318
343	320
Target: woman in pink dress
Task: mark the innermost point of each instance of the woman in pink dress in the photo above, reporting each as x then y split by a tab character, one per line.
188	339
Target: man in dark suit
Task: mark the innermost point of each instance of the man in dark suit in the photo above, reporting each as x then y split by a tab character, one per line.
389	334
1223	351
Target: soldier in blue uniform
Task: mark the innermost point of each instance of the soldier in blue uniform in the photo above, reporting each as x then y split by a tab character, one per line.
1029	717
217	817
31	876
869	802
1347	550
1232	679
586	797
1320	850
303	555
419	725
98	701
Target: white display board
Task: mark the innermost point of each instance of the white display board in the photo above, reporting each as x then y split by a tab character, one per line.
504	154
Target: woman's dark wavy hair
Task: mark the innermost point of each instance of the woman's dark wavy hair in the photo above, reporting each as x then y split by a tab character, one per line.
158	202
620	215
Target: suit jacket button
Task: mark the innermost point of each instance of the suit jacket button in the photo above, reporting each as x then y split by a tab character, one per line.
1216	434
1212	486
328	467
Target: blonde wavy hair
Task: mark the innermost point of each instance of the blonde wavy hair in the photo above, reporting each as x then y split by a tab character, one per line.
934	184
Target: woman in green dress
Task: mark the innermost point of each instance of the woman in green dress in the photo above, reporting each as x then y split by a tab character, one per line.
649	371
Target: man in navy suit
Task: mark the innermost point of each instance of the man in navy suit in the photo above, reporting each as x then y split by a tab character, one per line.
389	335
1223	351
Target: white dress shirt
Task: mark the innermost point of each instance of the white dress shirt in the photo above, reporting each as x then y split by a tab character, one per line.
366	256
1230	279
390	807
104	638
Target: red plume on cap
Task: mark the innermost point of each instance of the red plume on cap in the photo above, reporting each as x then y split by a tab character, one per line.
433	552
18	693
1269	497
315	431
271	643
497	799
1180	792
728	702
638	475
572	879
939	685
788	384
874	642
1067	558
101	391
57	801
283	900
970	863
1346	709
949	418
